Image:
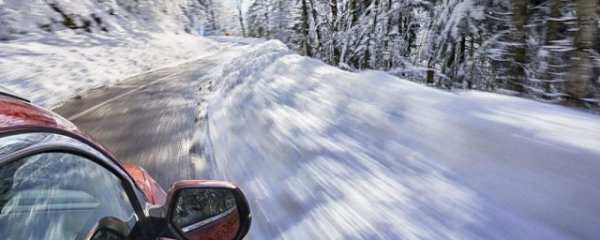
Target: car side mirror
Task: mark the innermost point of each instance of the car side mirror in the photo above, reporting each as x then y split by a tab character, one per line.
203	210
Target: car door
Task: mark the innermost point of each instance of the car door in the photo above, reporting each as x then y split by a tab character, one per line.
59	188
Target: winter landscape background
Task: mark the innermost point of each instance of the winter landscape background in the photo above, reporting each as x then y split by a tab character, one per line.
356	119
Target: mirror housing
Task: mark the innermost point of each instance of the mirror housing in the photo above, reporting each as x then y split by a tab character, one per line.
183	217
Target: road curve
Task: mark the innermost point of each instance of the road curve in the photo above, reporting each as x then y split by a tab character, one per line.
154	120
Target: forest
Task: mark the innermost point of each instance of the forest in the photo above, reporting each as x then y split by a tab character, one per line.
541	49
547	50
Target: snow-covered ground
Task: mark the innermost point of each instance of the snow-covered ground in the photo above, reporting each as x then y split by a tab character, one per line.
54	67
327	154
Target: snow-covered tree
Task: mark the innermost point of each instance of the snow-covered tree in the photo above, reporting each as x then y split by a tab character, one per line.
192	16
511	46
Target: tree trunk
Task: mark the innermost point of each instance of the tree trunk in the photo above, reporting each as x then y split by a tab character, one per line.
552	36
372	54
241	18
430	72
354	12
518	50
461	60
267	5
388	63
463	50
306	30
448	70
335	29
579	84
214	21
317	26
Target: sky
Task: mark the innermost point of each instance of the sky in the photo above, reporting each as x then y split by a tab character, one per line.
232	4
231	20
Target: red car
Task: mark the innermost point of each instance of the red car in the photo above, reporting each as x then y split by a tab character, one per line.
57	183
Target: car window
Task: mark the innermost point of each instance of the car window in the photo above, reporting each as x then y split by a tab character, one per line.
58	196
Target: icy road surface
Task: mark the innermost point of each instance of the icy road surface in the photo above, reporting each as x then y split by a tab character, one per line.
155	120
326	154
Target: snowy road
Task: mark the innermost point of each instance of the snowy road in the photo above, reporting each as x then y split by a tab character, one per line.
154	120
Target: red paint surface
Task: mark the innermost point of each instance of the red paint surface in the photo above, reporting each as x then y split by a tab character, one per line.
15	113
224	229
154	192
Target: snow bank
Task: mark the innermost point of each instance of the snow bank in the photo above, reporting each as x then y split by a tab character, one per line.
327	154
51	68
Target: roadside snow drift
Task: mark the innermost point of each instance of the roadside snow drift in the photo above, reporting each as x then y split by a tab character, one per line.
327	154
51	68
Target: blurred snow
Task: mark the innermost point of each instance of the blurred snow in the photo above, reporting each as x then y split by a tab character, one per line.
51	68
20	17
328	154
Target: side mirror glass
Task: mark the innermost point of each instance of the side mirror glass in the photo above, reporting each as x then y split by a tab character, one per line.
197	208
203	210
